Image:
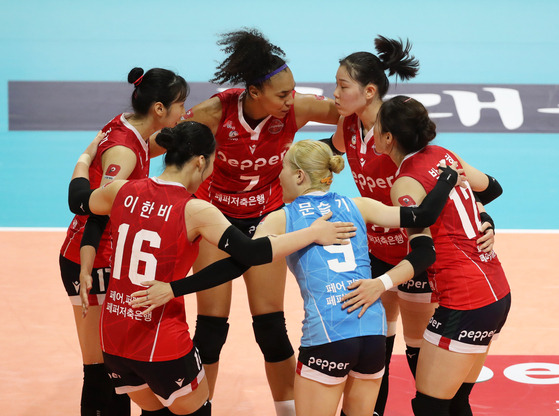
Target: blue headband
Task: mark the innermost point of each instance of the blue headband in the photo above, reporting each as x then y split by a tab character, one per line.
270	75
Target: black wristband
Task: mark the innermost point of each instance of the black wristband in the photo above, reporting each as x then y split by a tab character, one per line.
93	230
78	196
485	217
422	253
244	249
213	275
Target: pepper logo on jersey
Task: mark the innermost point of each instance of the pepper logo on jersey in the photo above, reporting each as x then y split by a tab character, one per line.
276	126
406	201
112	171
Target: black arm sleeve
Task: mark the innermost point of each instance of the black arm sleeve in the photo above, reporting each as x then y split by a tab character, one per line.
430	208
329	142
93	230
422	253
213	275
78	196
244	249
493	191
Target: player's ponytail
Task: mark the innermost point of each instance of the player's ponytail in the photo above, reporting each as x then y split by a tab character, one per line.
393	56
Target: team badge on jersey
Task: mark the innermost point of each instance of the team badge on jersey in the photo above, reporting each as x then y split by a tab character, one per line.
407	201
276	126
112	171
189	114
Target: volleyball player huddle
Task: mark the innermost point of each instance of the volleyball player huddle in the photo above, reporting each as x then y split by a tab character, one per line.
418	235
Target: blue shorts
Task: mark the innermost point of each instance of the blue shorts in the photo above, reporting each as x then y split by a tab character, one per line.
360	357
167	379
469	331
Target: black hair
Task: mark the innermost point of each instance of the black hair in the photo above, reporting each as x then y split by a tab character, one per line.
156	85
365	67
408	121
185	141
251	58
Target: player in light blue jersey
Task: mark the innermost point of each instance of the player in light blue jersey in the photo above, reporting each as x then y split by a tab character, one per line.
343	352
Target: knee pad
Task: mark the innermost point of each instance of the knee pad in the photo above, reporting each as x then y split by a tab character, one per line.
209	337
412	354
97	387
424	405
204	410
271	335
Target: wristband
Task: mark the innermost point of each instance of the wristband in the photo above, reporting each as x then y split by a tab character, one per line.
386	281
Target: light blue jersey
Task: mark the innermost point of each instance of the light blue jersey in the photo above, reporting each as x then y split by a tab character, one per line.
324	272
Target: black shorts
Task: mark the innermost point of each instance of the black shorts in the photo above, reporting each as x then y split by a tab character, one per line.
70	273
360	357
470	331
248	225
167	379
416	289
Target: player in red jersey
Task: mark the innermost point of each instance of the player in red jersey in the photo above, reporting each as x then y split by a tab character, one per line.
361	84
124	152
252	126
156	225
474	296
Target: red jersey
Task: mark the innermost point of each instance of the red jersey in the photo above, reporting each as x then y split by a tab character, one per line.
119	133
151	243
373	174
463	277
245	179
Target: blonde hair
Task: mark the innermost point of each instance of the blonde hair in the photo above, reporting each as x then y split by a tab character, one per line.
316	160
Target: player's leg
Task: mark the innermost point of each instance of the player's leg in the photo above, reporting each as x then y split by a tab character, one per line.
415	317
316	399
213	306
266	287
98	395
391	306
360	396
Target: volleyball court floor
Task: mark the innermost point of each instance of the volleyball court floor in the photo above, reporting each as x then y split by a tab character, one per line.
41	366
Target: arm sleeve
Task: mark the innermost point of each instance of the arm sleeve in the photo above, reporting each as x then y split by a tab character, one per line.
93	230
432	205
78	196
215	274
493	191
244	249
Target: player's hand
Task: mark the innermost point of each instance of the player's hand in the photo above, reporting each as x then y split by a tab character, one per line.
91	149
487	240
461	179
363	294
86	281
328	233
157	294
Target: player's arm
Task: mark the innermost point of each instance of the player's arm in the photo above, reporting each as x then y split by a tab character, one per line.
486	188
423	215
365	292
204	219
310	107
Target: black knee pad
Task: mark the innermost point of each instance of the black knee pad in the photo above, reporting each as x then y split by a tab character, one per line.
412	354
271	335
97	388
424	405
205	410
209	337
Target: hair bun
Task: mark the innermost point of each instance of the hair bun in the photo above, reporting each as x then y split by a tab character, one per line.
135	74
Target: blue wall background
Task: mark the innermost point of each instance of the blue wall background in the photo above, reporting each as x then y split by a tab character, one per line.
493	42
